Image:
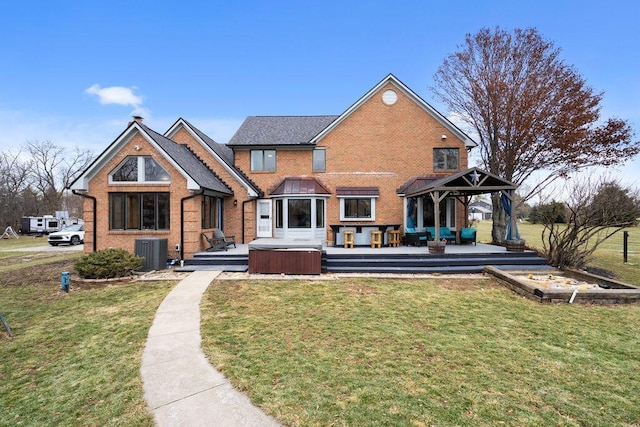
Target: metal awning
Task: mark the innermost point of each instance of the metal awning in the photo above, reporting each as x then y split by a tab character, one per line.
299	186
357	191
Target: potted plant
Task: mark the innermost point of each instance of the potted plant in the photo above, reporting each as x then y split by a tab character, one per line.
436	246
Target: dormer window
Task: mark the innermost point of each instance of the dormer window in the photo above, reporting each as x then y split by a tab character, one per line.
140	169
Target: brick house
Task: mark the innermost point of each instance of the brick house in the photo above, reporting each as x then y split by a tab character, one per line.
281	176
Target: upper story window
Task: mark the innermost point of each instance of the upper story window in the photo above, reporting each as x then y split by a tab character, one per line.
263	160
139	169
319	160
445	158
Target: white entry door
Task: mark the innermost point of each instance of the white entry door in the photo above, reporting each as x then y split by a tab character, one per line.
264	218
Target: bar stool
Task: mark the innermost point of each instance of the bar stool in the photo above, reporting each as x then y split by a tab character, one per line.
348	239
376	239
394	238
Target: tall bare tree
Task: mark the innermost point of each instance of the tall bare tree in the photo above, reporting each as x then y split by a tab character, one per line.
54	168
14	180
531	112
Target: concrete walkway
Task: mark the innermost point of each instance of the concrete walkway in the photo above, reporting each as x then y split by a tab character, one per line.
180	386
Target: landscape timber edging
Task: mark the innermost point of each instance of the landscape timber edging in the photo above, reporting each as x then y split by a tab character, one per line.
622	293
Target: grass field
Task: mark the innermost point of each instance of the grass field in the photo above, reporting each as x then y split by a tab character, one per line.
22	242
349	352
423	352
609	255
75	358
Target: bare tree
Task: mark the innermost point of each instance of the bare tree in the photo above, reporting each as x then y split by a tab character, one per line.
594	212
14	174
532	113
54	168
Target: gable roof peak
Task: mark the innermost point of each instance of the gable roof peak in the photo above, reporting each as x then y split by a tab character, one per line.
468	142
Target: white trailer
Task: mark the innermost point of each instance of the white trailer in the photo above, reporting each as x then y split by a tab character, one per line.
41	224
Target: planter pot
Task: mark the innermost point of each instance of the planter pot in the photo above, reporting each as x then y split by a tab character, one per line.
436	247
515	245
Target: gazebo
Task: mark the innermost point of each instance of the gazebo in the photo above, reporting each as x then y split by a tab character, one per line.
462	186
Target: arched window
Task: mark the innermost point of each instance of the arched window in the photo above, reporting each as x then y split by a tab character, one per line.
139	169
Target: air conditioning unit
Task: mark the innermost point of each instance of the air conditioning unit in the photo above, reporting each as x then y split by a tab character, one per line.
154	250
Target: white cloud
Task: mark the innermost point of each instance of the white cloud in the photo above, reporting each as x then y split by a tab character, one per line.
115	95
120	95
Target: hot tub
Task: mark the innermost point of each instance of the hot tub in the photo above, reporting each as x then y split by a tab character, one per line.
285	256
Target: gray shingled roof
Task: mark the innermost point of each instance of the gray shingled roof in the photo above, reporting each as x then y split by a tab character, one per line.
279	130
226	153
188	161
227	156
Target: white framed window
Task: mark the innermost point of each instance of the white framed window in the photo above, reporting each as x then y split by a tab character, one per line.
263	160
300	213
136	169
319	160
357	208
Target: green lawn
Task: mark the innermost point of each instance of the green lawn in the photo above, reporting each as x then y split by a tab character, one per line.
22	241
609	255
75	358
423	352
349	352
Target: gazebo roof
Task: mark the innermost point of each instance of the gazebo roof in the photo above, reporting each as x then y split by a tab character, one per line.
468	183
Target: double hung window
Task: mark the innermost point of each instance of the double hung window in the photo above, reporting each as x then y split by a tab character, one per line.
319	160
263	160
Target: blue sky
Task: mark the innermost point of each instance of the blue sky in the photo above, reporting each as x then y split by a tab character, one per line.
75	71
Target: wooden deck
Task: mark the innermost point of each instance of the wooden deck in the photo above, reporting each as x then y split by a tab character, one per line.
401	260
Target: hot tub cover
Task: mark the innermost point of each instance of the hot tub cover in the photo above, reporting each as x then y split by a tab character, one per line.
272	244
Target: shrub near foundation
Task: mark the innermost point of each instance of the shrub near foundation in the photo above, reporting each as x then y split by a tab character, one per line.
108	264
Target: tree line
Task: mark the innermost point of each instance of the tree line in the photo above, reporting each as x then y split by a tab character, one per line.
33	179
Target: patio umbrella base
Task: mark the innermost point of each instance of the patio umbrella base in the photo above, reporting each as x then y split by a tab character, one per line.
514	245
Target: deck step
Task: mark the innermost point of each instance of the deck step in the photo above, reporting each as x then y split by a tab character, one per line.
213	267
385	263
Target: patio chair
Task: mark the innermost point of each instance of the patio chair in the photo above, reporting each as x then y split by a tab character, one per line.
445	233
415	238
219	241
468	235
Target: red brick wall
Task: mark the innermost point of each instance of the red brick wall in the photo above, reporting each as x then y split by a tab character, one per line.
100	188
377	145
232	211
